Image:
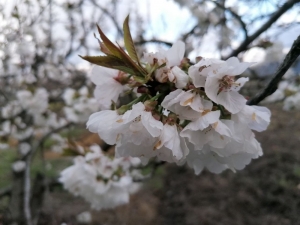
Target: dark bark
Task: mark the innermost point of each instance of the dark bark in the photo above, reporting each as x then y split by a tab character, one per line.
273	84
244	45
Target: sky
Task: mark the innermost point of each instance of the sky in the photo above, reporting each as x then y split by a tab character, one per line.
166	20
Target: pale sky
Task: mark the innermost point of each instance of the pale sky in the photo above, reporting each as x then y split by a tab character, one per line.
166	21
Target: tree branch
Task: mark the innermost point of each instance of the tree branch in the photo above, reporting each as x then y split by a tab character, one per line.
273	84
235	15
153	41
112	17
243	46
27	190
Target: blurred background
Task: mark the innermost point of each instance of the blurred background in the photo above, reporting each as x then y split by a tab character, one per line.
46	99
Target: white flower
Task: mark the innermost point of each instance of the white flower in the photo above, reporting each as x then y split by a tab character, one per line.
12	109
36	103
68	96
80	109
248	144
83	91
103	182
170	146
84	218
172	57
107	124
108	87
292	102
3	146
117	194
24	148
220	85
140	133
135	132
215	163
22	134
256	117
186	105
179	77
71	114
208	129
72	176
140	119
199	72
278	95
18	166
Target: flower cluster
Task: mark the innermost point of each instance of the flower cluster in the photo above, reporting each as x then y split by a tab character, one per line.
181	112
100	180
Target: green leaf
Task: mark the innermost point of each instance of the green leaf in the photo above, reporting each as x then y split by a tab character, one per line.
109	61
129	61
129	42
115	51
112	62
125	69
118	52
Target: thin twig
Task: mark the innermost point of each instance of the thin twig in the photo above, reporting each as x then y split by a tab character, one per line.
27	190
153	41
290	58
27	181
56	130
112	17
243	46
235	15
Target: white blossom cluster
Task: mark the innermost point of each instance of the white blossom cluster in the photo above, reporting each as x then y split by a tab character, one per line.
102	181
181	113
288	90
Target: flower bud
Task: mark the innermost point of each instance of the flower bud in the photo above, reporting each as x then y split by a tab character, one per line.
123	109
150	105
122	78
142	90
172	119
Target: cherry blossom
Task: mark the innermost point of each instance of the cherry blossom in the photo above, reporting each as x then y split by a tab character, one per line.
108	85
221	86
100	180
172	58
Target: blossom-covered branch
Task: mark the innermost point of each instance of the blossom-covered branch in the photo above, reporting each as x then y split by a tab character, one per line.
273	84
235	15
181	113
244	45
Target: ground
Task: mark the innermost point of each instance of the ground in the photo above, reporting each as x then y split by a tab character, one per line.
266	192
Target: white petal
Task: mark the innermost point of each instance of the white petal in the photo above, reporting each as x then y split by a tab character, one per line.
256	117
171	99
181	78
175	54
106	93
260	119
204	121
231	100
152	125
197	138
212	88
197	78
172	142
126	149
100	75
105	123
130	115
239	83
236	67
